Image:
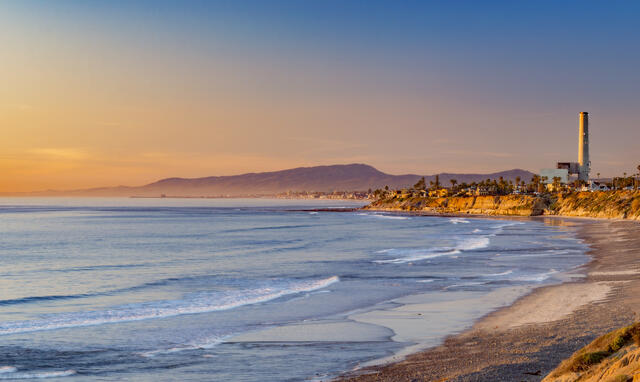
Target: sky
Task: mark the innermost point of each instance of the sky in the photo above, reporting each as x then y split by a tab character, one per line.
104	93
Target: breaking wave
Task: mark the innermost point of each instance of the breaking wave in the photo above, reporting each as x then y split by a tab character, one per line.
10	372
380	216
410	255
201	302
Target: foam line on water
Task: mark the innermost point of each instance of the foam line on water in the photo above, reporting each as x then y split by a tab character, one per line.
151	284
202	302
36	375
540	277
380	216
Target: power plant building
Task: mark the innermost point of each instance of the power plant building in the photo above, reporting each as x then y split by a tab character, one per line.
582	167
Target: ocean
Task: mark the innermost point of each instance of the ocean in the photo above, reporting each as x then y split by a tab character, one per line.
244	289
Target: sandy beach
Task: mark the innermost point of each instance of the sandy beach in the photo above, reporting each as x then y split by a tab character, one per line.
527	339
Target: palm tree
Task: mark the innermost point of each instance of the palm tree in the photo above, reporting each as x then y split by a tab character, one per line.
453	183
535	181
542	186
436	185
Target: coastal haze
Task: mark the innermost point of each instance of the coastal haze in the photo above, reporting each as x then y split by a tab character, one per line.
353	177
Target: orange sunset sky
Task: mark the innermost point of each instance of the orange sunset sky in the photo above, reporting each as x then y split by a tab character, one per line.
108	93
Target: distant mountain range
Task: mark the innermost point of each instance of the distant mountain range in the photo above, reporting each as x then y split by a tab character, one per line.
350	177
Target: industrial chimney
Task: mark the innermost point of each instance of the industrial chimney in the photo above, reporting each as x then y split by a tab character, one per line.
583	147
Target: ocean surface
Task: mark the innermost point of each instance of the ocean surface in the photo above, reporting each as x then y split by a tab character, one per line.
159	289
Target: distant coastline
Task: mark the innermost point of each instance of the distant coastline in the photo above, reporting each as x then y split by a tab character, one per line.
317	182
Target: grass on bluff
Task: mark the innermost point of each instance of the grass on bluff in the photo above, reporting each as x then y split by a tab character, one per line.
601	348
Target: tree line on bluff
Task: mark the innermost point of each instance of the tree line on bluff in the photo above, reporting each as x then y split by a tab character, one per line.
500	186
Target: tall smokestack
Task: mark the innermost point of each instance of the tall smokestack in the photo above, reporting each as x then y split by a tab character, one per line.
583	147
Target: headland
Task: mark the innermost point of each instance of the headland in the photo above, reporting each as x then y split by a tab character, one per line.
623	204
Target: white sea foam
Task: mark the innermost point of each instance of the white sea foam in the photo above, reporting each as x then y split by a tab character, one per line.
505	224
464	285
411	255
499	228
458	220
7	369
500	274
40	375
207	343
198	303
380	216
540	277
474	243
417	255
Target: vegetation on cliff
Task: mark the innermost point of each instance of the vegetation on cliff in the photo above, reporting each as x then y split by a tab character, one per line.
614	356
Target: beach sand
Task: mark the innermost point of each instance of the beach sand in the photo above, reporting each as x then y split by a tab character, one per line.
526	340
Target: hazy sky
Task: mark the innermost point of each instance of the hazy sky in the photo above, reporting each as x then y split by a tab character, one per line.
97	93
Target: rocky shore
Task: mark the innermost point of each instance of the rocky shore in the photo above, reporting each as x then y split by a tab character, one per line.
526	341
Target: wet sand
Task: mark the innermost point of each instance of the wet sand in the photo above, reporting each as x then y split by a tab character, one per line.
525	341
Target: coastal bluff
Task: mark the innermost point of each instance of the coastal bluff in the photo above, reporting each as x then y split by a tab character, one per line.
613	357
605	204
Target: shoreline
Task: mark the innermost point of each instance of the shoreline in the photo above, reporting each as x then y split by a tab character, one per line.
506	344
490	216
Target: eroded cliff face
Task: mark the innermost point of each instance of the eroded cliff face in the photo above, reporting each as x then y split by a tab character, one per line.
611	205
518	205
619	205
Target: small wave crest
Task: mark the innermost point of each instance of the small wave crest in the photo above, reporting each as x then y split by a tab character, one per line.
505	273
410	255
458	221
202	302
204	344
473	243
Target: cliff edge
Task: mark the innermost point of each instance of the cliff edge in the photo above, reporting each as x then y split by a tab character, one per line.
609	204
